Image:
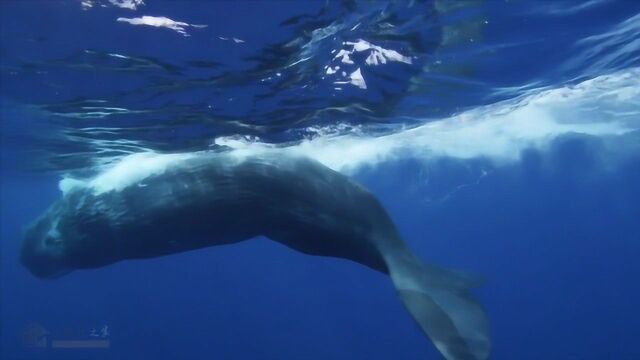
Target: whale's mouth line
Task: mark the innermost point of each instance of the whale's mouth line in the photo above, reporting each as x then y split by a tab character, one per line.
57	274
42	270
42	263
44	273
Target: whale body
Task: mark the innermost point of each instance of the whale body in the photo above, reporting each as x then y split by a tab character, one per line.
188	202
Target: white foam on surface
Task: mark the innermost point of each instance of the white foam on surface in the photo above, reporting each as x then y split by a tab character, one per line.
123	4
377	56
161	22
87	4
604	106
357	79
351	75
234	39
127	4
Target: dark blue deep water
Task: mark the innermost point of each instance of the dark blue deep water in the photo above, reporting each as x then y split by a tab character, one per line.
503	137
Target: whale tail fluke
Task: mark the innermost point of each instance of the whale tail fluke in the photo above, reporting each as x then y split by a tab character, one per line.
440	302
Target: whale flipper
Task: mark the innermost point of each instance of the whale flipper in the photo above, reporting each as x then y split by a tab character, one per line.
440	303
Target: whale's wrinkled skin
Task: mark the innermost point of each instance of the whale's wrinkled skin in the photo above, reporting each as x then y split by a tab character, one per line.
219	199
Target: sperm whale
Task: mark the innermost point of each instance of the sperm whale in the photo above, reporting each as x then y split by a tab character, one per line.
151	205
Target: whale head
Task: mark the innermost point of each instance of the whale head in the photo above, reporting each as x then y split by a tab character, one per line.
74	233
43	248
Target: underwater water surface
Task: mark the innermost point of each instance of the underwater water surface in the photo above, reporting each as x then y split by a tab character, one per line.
502	137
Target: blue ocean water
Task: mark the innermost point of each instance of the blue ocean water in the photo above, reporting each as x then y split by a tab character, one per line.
502	137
